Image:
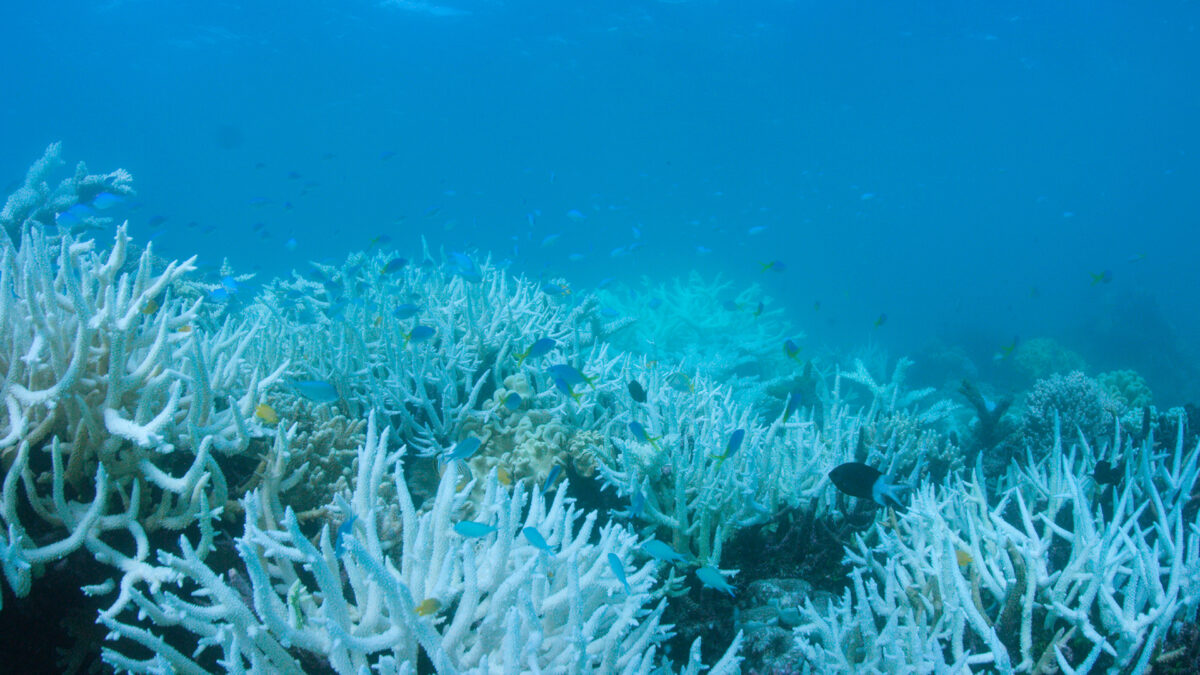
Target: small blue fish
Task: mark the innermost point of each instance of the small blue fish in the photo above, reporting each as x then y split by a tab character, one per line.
317	391
618	569
346	529
661	551
551	477
793	404
420	334
639	432
537	539
464	449
511	401
561	385
537	349
569	374
464	267
230	284
406	311
680	382
637	504
713	579
394	265
735	442
791	349
218	295
66	219
555	290
473	530
82	211
576	215
106	200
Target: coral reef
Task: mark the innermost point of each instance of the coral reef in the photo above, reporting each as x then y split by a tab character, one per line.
1041	357
1080	404
353	470
469	601
1039	577
1127	387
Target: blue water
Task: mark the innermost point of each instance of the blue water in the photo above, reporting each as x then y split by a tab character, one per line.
962	167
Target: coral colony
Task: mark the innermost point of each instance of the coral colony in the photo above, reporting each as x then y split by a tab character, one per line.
457	471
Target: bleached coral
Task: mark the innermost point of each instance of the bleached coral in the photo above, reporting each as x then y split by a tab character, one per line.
1056	572
107	383
35	204
496	602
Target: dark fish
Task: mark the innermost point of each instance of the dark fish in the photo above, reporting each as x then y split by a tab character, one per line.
865	482
636	392
1107	474
156	221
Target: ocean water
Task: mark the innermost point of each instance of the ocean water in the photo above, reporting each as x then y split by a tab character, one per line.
962	167
948	182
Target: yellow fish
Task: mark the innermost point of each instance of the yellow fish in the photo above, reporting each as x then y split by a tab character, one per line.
503	476
150	307
428	606
963	558
185	329
266	413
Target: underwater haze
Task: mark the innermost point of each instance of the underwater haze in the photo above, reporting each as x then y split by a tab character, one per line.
904	176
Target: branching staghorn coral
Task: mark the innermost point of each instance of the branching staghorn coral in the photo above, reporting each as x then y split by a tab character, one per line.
698	500
429	390
1055	573
105	384
36	205
478	603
